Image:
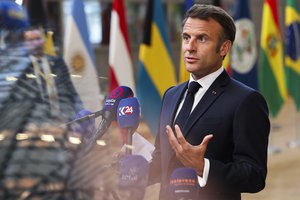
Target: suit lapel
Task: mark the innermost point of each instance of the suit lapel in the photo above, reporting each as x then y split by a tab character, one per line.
213	92
177	97
171	105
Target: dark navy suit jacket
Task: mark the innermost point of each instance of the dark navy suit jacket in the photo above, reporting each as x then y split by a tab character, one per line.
237	116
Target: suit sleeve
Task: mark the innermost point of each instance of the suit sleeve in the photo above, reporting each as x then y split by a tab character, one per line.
247	172
155	165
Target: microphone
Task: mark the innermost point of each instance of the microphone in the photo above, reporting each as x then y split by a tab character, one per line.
110	105
184	184
109	111
129	119
133	177
84	127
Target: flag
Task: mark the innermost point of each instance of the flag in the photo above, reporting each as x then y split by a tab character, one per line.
79	57
188	4
38	16
121	72
49	47
292	49
155	70
226	64
244	51
183	74
271	68
227	60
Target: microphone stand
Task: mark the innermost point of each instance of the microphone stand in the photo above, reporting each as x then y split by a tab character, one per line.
128	145
102	128
86	118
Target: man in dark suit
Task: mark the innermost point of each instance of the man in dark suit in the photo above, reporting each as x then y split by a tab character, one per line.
225	136
43	91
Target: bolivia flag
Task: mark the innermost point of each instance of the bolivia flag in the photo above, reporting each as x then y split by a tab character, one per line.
155	70
292	47
271	69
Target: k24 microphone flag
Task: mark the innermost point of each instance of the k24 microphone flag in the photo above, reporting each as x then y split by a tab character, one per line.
129	113
79	57
120	62
156	71
272	83
292	49
244	51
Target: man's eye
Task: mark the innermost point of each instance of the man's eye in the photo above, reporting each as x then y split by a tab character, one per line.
202	39
185	37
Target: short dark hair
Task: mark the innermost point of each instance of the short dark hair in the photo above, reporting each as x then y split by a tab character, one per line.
33	28
205	12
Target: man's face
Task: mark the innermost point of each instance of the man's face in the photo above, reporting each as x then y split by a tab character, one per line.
34	42
200	46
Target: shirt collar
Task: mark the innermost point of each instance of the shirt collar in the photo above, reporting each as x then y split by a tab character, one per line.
207	80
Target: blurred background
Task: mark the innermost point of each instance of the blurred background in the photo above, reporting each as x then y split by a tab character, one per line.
102	43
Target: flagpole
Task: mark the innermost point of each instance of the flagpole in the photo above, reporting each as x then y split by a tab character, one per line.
273	149
295	143
292	17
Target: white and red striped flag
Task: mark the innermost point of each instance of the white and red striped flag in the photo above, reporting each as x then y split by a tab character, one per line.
121	71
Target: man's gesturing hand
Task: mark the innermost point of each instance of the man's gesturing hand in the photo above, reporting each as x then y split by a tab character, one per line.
187	154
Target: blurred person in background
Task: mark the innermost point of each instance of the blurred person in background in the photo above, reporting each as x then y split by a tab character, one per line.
34	102
57	94
36	88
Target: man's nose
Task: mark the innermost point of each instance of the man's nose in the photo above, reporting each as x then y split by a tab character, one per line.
191	45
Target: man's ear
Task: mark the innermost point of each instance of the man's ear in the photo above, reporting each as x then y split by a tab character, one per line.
225	48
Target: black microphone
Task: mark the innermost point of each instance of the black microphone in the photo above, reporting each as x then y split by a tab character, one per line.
109	111
184	184
129	118
133	178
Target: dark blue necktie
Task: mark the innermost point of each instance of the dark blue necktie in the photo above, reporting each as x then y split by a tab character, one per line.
185	111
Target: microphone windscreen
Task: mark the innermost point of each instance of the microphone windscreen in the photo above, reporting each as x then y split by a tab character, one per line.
112	101
133	178
87	127
129	113
184	184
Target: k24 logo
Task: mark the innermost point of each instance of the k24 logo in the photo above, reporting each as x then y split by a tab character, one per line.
125	110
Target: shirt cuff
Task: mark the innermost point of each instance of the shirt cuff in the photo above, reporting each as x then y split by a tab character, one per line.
203	180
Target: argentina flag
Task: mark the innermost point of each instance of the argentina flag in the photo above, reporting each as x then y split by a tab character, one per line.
79	56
